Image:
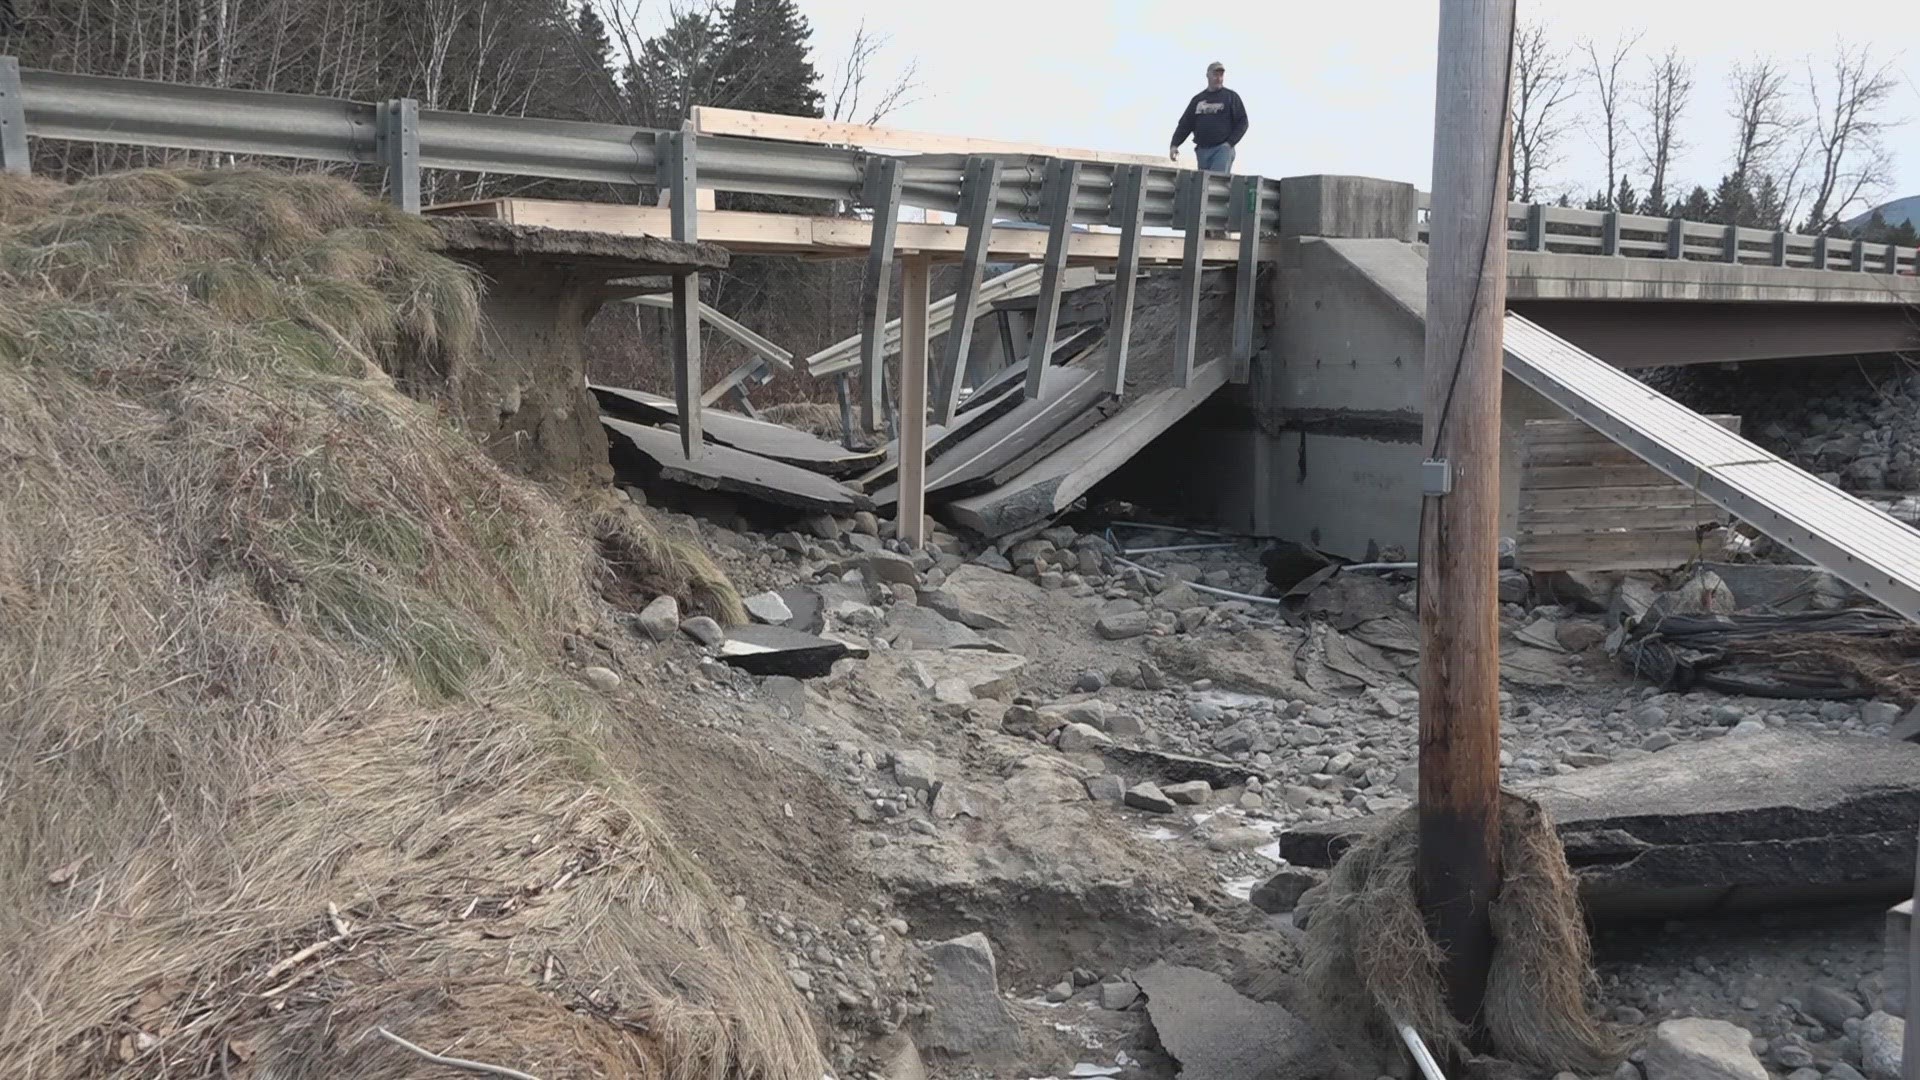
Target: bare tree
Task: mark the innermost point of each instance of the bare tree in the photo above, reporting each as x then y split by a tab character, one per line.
1609	93
849	90
1662	101
1849	158
1763	116
1542	85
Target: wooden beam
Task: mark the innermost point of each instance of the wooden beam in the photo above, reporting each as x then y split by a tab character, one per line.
912	524
732	328
746	233
1458	869
709	120
1063	182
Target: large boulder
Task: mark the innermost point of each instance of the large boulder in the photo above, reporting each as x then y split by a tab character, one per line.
1217	1033
967	1014
1696	1049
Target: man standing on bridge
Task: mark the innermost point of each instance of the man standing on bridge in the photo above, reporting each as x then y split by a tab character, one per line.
1216	119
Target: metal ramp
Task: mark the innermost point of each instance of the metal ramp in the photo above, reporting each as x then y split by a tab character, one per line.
1865	547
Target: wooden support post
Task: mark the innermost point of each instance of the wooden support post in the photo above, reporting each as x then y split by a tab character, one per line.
979	195
1246	211
1191	206
677	171
13	120
912	504
1458	872
1129	208
883	194
397	135
1062	183
1676	238
1610	233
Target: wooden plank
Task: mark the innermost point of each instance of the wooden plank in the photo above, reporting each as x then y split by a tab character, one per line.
729	326
941	438
1640	551
749	233
767	439
1005	440
1665	493
637	447
1617	522
710	120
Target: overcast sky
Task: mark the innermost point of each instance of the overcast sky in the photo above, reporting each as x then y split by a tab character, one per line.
1330	87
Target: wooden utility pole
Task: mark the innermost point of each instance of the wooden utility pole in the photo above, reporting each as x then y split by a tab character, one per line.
1459	872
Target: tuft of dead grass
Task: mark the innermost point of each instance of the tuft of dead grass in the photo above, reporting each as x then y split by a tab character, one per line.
286	747
1369	959
645	557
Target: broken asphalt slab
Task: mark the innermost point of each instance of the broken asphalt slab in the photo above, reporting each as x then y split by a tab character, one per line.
1722	826
1217	1033
780	650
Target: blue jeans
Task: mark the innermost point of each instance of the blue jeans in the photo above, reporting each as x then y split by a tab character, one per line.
1214	158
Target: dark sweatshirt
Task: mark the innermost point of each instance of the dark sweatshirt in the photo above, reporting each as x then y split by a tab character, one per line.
1212	117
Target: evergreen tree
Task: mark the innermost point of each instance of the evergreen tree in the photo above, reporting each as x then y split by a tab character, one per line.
1654	206
1732	201
1768	206
1598	201
767	68
1905	235
1698	206
1625	198
678	68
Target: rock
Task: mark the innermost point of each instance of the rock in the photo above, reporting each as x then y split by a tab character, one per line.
967	1014
769	607
1147	796
1650	715
1833	1007
781	650
601	678
1579	635
1045	779
916	769
1746	729
1191	793
1131	624
1060	991
913	627
1843	1071
661	618
1288	564
993	560
1790	1053
951	800
1626	1070
1089	682
1026	551
1703	594
1877	713
1514	587
823	526
865	523
1696	1049
1075	738
1282	892
885	568
802	981
1656	742
703	630
1118	995
1106	788
985	674
1217	1033
1880	1038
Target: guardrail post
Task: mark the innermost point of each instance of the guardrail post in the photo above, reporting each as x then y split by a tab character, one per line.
1610	233
1893	258
1246	195
979	195
883	194
1677	238
1859	256
13	120
1536	227
1779	247
1820	254
398	139
1062	183
1730	246
677	171
1128	210
1190	209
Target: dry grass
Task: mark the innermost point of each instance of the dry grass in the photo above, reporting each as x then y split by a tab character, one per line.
1369	957
276	641
821	420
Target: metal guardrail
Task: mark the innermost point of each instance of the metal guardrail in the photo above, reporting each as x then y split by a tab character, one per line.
1568	230
102	109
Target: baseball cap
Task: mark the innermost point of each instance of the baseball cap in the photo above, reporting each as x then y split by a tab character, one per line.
1216	66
